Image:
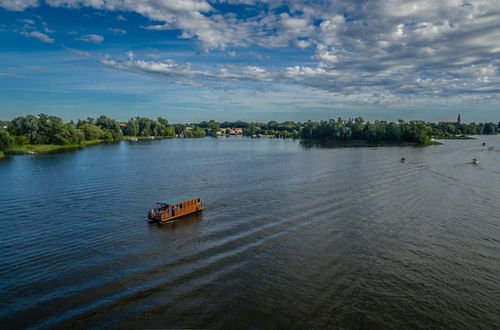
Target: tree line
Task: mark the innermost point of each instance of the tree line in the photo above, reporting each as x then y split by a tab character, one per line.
46	129
415	131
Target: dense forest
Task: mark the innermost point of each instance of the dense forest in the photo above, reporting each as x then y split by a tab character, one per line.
51	130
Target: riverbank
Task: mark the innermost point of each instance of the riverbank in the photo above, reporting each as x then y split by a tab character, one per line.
31	149
137	138
362	143
455	137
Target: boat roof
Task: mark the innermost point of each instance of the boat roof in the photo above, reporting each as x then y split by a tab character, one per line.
180	199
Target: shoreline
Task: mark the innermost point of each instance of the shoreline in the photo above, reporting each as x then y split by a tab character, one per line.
456	137
361	144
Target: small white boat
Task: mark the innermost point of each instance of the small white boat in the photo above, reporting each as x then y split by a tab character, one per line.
475	161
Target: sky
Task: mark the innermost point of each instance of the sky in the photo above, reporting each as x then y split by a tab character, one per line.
195	60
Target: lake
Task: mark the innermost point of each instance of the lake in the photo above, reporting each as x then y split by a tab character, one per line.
292	236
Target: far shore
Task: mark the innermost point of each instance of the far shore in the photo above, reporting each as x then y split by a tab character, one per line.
361	143
455	137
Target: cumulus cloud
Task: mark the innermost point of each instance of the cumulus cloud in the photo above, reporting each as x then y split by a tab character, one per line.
94	38
38	35
384	88
18	5
385	49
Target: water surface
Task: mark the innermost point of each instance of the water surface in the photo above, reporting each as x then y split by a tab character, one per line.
292	236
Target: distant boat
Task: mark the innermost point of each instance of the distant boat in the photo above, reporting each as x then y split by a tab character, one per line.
134	139
403	160
475	161
491	148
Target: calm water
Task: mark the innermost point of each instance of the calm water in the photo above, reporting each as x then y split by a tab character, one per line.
292	237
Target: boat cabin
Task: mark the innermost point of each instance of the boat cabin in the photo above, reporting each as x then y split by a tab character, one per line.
175	208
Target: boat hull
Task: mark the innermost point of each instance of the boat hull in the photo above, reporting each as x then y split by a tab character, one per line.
167	218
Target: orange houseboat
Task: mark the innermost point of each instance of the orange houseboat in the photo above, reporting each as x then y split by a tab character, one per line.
175	208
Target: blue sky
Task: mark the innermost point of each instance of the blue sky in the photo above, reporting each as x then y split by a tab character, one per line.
194	60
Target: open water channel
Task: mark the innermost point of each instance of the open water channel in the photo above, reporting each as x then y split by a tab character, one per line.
291	237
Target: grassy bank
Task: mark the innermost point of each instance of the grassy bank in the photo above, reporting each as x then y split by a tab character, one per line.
39	148
46	148
90	142
2	155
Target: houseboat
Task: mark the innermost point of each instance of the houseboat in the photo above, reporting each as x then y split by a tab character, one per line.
175	208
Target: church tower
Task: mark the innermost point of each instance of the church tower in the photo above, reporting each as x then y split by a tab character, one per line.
459	121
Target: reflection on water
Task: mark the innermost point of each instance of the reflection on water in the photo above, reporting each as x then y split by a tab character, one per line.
293	235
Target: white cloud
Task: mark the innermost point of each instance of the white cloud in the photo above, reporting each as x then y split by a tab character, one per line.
378	48
117	31
78	52
38	35
27	21
157	27
153	56
18	5
11	75
95	38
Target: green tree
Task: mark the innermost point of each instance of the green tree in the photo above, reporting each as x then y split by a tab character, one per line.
92	132
5	139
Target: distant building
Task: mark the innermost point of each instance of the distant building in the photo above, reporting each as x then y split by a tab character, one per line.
122	124
230	131
459	121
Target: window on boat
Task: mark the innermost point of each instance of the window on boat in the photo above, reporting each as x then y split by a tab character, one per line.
180	205
199	200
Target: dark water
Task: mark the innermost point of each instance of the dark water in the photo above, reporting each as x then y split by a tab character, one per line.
292	237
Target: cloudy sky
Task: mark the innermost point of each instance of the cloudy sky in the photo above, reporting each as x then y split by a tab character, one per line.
193	60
